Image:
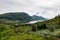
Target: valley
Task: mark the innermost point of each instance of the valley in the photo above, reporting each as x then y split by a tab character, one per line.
16	29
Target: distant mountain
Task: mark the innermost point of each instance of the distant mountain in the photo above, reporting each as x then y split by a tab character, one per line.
35	17
16	16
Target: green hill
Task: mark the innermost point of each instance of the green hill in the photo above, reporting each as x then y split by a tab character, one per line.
46	30
51	24
16	16
55	22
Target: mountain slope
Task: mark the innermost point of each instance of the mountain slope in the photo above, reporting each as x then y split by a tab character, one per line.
20	16
55	22
50	24
38	17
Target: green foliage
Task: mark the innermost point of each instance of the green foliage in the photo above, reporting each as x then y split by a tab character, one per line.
7	32
34	28
51	25
47	30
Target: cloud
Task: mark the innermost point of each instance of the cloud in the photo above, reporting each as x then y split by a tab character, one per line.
43	7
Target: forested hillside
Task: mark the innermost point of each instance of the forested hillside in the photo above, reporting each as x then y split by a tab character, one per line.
46	30
16	16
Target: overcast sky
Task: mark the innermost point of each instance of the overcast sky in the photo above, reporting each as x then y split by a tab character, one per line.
45	8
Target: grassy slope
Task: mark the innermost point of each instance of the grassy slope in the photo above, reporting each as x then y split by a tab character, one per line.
9	32
53	27
23	32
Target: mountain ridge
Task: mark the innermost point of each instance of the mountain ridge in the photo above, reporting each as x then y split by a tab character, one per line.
20	16
35	17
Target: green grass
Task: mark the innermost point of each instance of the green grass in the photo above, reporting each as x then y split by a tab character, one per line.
24	32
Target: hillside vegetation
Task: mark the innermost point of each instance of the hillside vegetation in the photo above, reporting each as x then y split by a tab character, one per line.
16	16
47	30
